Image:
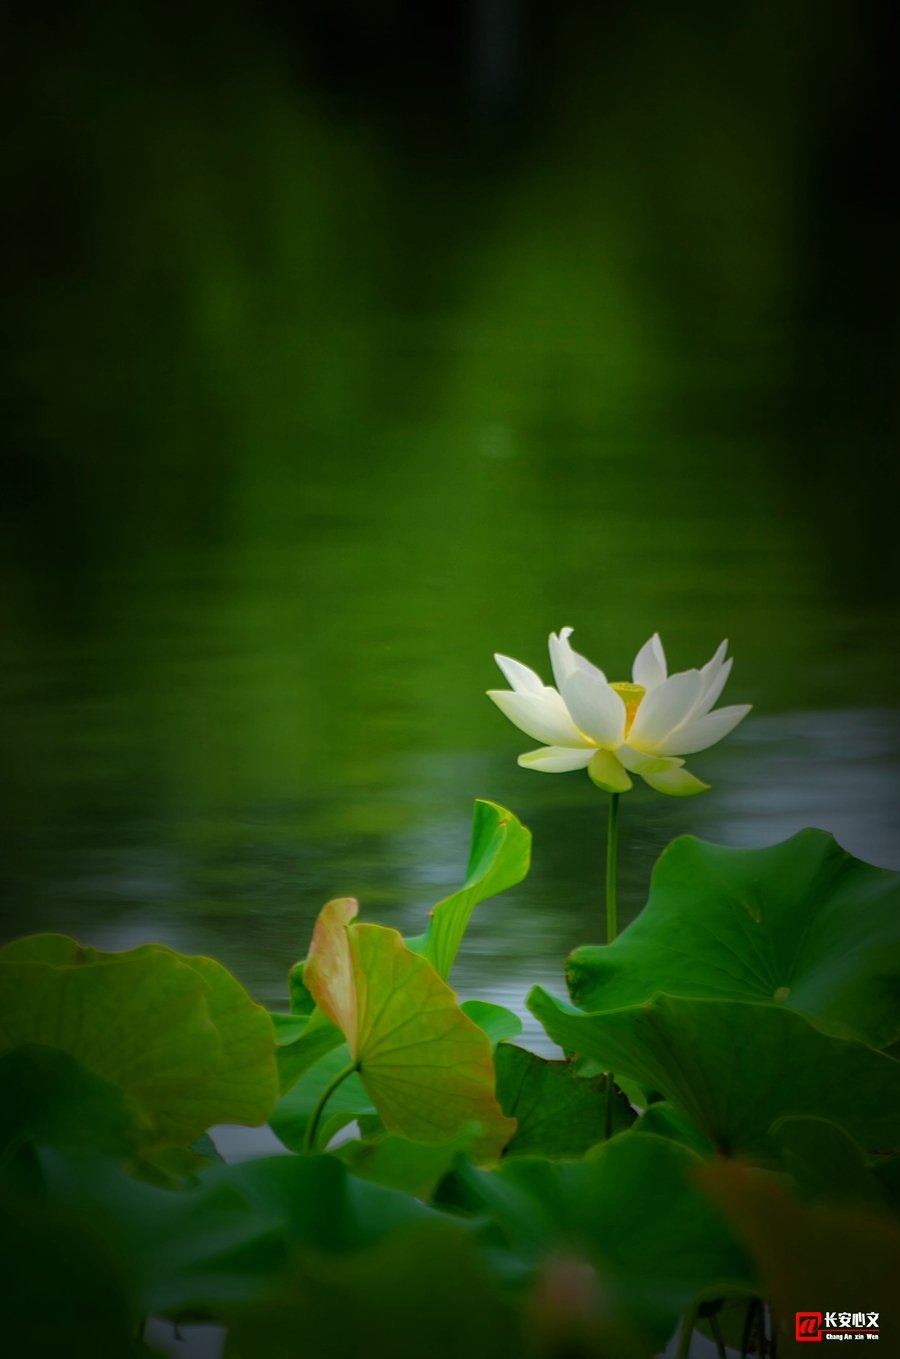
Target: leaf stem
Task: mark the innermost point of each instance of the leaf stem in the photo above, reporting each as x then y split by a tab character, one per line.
748	1327
612	845
612	842
309	1137
687	1330
718	1337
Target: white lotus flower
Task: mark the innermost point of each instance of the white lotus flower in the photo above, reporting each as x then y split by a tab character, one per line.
642	727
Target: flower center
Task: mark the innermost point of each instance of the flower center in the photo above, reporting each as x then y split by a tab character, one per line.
631	695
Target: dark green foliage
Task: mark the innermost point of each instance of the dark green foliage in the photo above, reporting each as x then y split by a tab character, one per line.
51	1098
825	1163
65	1286
558	1113
630	1209
667	1121
734	1069
399	1163
425	1292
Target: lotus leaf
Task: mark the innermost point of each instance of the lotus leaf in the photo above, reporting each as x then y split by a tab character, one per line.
228	1236
426	1066
414	1167
207	1245
302	1041
499	857
558	1113
734	1069
178	1035
293	1111
667	1121
801	924
50	1097
64	1286
826	1165
498	1023
322	1206
422	1292
631	1209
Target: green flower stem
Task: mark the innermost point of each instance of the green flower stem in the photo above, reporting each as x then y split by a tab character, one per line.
612	845
718	1337
687	1330
309	1137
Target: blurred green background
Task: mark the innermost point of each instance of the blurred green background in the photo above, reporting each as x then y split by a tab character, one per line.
346	344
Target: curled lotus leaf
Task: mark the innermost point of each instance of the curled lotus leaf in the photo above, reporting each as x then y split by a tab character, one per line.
499	857
426	1066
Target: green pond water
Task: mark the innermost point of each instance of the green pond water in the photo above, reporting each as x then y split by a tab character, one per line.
302	425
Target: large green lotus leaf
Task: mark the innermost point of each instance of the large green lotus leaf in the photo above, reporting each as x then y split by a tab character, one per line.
499	857
414	1167
56	949
427	1067
179	1035
190	1249
245	1085
558	1113
423	1293
801	924
293	1111
48	1096
142	1023
632	1210
640	1209
735	1069
229	1236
